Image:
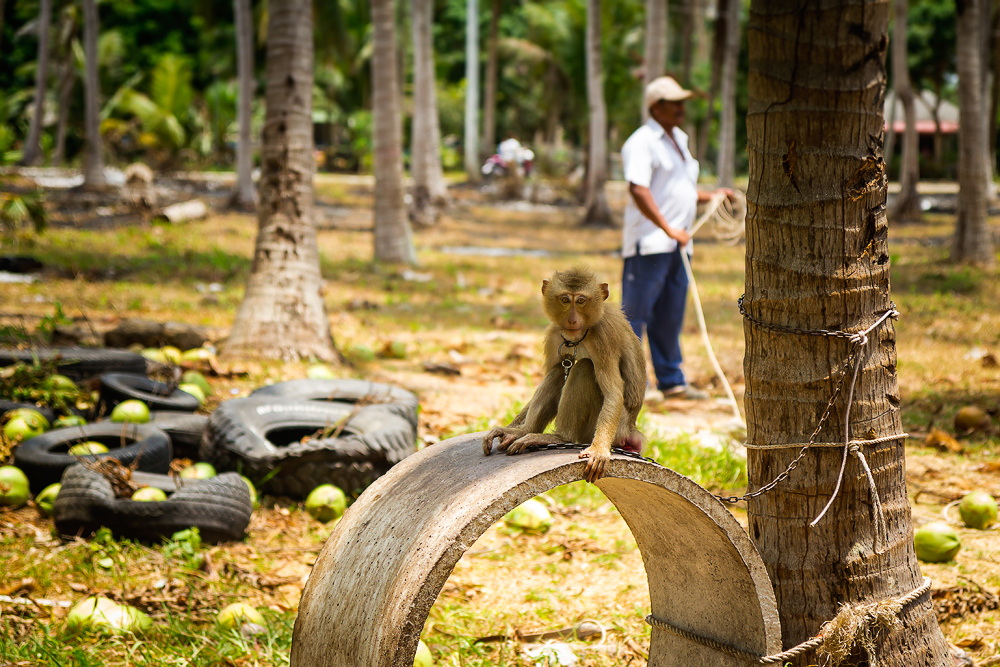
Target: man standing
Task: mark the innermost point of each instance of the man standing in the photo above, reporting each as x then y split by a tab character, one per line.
663	181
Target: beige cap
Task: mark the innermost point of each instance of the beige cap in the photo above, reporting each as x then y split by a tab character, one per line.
665	88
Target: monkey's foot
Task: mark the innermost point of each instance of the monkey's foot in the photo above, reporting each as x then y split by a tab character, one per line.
534	439
597	461
507	435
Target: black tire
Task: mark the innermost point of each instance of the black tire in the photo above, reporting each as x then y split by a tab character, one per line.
44	457
269	442
395	399
118	387
7	406
185	429
219	508
80	363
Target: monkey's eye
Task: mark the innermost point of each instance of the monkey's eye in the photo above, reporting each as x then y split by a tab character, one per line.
564	299
581	300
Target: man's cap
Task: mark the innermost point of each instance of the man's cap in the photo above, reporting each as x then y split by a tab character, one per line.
665	88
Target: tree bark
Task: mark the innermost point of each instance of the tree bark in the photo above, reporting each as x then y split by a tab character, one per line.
32	145
718	54
472	161
393	236
429	190
972	242
726	166
907	204
283	315
244	197
490	89
93	162
817	258
67	77
598	213
994	90
655	56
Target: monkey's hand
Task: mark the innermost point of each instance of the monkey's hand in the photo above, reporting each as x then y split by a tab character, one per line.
597	456
507	435
533	439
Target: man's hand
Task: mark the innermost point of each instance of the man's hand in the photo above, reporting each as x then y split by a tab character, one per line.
679	235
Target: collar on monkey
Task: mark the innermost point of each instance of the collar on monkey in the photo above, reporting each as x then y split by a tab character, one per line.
569	343
567	362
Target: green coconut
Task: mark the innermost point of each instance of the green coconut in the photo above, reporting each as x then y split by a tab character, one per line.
68	421
531	516
978	510
102	614
194	377
194	390
132	410
46	499
936	542
326	502
149	494
238	613
89	448
199	470
13	487
423	658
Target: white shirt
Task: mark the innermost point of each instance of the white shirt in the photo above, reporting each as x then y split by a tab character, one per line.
651	160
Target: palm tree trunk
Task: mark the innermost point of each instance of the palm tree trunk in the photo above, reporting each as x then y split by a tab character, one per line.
972	242
817	259
718	55
598	212
727	125
67	77
244	196
907	204
393	236
655	55
32	145
93	163
429	190
490	90
472	162
283	315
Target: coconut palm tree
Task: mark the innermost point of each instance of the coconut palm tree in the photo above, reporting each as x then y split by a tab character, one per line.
244	196
283	315
598	212
972	242
93	162
490	87
817	260
429	190
472	91
393	235
907	204
726	168
33	144
655	55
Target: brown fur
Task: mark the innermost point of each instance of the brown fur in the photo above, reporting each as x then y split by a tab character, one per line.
599	402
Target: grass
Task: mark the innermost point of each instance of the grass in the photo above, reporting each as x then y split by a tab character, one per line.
482	314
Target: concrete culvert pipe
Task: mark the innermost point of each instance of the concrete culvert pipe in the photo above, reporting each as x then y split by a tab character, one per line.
381	570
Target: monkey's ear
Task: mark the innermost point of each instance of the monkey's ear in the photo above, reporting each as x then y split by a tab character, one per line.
545	283
605	291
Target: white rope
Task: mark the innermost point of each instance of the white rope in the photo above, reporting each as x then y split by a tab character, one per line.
714	209
881	526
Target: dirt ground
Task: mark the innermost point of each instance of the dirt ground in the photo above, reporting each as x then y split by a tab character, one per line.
493	373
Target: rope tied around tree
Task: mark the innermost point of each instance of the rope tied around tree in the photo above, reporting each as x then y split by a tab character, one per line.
855	359
861	624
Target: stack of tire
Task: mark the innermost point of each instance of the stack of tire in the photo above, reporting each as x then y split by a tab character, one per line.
293	436
219	507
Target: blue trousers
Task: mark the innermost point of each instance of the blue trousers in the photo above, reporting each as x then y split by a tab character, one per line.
654	293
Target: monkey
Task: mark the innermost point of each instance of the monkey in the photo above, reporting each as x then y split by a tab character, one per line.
595	376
